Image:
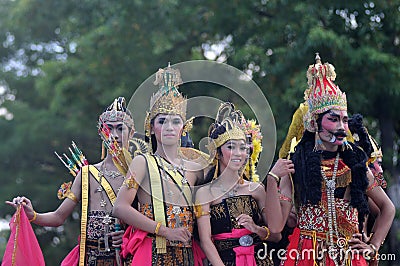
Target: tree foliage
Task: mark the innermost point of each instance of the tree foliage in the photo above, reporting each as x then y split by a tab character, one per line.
63	61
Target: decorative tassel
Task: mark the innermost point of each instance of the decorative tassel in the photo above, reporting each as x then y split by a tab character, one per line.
241	180
251	170
161	245
103	151
346	146
151	146
314	243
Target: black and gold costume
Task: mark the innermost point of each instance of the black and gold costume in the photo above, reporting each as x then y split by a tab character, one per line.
223	220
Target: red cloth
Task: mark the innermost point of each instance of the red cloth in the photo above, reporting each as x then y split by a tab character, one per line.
244	255
22	247
293	245
306	257
72	259
135	241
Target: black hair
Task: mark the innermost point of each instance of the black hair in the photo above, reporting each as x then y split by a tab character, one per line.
308	178
356	126
210	174
186	141
152	138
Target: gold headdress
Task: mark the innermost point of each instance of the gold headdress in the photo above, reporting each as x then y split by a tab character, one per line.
117	111
227	126
167	100
227	119
323	94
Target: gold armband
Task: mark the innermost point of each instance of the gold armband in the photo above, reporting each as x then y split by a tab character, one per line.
34	217
72	197
130	182
268	233
198	211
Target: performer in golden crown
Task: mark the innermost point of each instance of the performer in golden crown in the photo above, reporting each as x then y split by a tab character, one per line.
329	187
160	232
230	213
95	186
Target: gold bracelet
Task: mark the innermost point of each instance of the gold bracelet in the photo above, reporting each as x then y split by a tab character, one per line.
157	228
34	217
277	178
268	233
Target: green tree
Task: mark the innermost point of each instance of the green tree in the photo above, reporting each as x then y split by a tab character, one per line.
63	61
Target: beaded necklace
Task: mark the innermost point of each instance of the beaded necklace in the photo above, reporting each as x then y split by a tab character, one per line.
332	223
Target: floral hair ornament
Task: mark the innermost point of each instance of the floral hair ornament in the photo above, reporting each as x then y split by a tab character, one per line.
167	100
254	139
322	94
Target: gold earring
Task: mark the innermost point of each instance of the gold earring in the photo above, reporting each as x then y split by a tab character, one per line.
216	171
150	145
318	143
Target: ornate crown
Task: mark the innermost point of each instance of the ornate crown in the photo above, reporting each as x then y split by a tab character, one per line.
117	112
323	94
229	119
167	100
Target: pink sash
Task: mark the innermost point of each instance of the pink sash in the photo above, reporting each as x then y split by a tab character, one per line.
72	259
22	247
198	254
244	255
135	241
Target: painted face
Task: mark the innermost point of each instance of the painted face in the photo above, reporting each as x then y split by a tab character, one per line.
234	154
376	167
120	132
334	126
167	128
